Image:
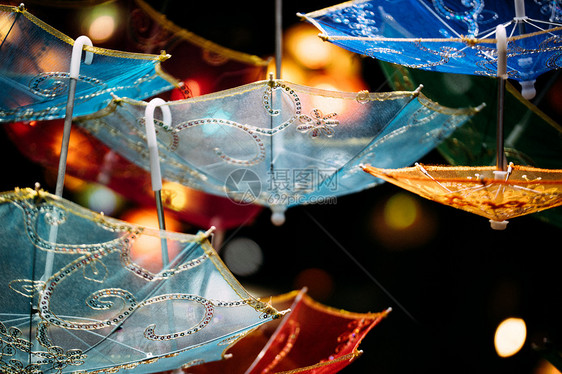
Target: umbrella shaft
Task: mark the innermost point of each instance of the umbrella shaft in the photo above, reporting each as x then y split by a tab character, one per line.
278	37
65	137
162	226
500	157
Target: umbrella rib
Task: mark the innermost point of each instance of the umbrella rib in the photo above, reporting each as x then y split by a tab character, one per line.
105	338
24	317
426	173
491	32
535	23
18	14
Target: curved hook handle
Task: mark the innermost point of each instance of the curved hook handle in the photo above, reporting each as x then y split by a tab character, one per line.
77	55
155	175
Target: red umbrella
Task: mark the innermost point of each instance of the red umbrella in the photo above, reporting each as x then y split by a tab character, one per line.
311	338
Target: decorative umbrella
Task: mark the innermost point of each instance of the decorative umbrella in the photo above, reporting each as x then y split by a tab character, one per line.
101	309
495	195
311	338
280	144
34	60
449	36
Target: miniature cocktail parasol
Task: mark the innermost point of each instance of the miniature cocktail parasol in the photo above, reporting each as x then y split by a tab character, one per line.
280	144
101	309
449	36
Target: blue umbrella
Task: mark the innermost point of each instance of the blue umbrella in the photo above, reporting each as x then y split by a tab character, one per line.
449	36
34	69
277	143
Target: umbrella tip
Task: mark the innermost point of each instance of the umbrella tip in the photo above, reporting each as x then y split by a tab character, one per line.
278	216
528	90
210	231
498	225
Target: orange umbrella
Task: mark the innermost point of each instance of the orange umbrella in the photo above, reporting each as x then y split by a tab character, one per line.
495	194
311	338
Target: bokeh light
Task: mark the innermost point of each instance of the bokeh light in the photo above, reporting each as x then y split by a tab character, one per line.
79	148
146	250
100	23
401	211
319	282
402	221
243	256
175	196
101	28
100	199
304	45
510	337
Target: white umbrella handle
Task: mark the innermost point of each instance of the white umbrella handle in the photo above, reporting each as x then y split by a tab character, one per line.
520	10
155	175
501	46
77	55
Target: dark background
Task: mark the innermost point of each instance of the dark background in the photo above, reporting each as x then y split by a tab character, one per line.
450	280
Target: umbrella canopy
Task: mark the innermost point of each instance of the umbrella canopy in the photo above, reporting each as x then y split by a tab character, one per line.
496	195
76	295
315	338
311	338
34	68
277	143
449	36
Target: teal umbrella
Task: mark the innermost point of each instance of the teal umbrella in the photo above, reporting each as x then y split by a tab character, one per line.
34	69
103	305
277	143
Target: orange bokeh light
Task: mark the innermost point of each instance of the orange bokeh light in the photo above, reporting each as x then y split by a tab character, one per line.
146	250
79	148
